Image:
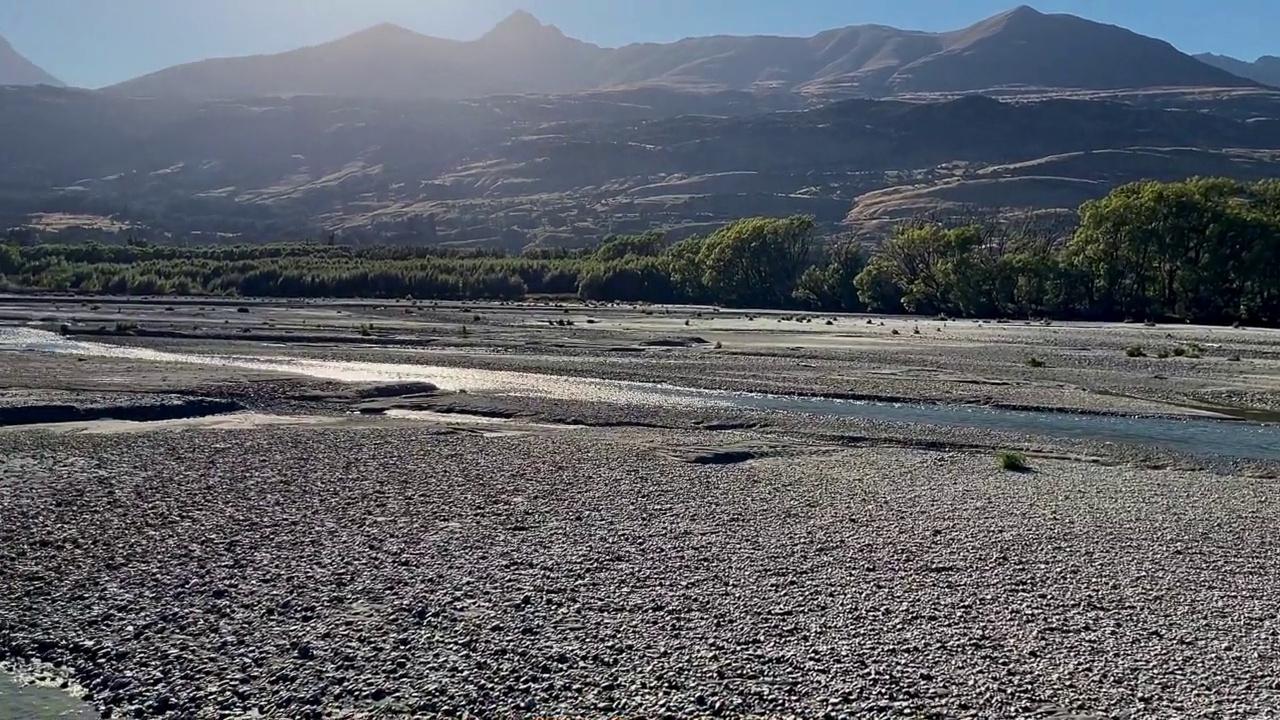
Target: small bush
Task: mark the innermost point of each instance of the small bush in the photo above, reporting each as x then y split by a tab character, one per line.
124	326
242	309
1233	357
1135	351
895	331
1179	351
1012	461
1163	354
1035	362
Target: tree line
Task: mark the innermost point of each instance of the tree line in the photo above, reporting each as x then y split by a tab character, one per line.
1203	250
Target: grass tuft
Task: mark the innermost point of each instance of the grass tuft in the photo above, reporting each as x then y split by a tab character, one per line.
1012	461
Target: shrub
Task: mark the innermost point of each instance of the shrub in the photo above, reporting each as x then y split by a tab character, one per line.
242	309
1135	351
1035	362
1012	461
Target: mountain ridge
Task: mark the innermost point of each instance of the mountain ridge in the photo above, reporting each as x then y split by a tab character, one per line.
1266	69
15	69
521	55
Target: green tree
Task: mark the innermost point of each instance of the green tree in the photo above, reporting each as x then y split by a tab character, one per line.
757	262
830	286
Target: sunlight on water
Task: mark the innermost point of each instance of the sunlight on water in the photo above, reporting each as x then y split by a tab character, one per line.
446	378
1191	435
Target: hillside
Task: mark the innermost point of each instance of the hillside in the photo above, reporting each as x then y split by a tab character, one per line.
17	70
1021	48
512	170
1265	69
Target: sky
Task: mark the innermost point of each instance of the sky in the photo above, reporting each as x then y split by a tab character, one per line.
94	43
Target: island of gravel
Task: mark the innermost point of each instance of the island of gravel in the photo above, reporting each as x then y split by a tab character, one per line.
211	540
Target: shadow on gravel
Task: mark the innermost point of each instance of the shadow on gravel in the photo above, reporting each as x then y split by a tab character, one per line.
730	454
142	411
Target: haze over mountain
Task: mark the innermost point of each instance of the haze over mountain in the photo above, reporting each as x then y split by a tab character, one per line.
1265	69
17	70
513	170
526	136
1021	48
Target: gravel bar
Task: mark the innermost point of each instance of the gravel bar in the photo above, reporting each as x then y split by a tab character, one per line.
420	571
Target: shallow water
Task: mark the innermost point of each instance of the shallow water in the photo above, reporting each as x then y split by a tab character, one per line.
1246	440
39	702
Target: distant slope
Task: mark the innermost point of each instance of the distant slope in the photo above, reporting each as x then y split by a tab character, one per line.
514	170
1265	69
1019	48
1024	47
17	70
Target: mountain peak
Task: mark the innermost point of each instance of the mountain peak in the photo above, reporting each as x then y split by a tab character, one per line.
1019	16
520	25
385	31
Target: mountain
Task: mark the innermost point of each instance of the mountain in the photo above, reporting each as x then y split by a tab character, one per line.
1265	69
519	55
1019	49
17	70
515	170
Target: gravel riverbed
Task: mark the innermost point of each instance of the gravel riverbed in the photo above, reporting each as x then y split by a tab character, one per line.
422	571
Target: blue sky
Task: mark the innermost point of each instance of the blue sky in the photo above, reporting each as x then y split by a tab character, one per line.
91	43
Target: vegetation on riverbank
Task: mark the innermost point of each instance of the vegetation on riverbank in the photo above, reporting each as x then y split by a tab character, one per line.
1205	250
